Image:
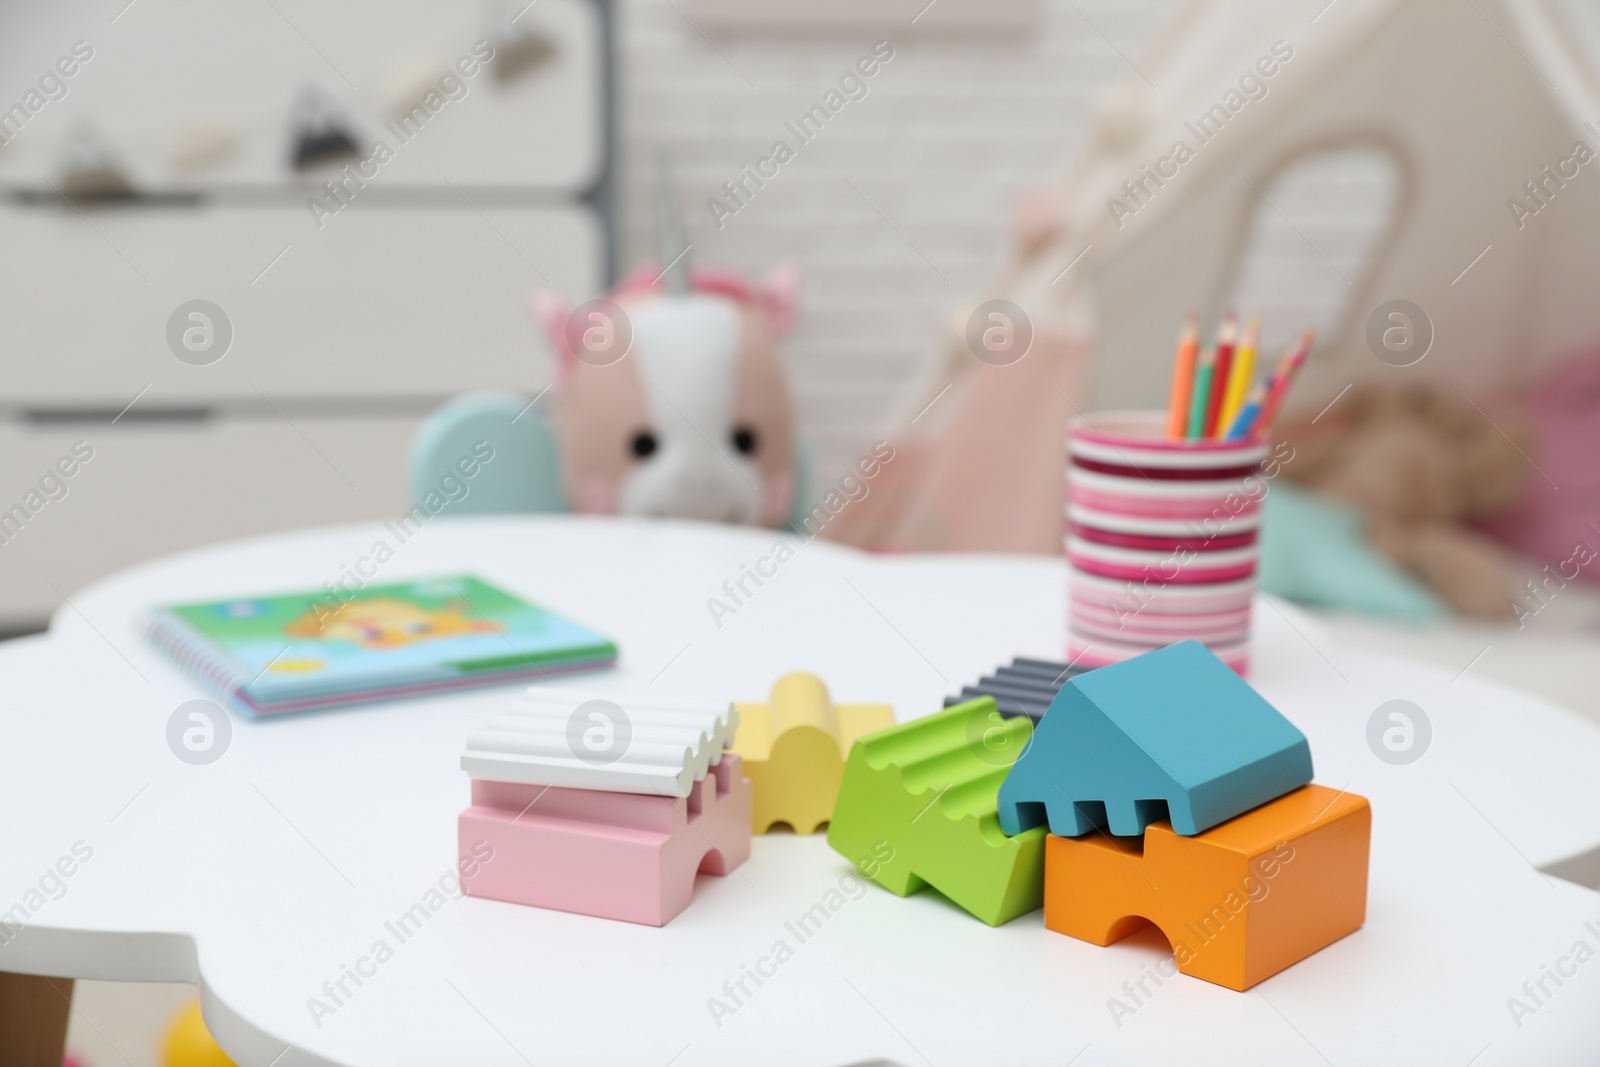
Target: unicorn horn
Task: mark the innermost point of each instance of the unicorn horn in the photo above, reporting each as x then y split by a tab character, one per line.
674	245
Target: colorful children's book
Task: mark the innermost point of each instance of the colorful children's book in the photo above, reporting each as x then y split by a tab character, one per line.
320	649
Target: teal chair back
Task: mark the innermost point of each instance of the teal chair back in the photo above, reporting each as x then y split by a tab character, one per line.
523	473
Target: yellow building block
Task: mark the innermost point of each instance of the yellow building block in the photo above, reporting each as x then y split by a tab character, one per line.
189	1043
794	748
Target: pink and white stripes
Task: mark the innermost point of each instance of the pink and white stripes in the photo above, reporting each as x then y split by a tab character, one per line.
1161	539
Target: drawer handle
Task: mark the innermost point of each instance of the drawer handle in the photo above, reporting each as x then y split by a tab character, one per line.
136	415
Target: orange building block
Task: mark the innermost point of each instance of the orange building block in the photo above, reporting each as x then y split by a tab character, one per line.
1239	902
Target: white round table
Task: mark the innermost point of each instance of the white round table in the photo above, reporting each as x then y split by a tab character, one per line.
269	874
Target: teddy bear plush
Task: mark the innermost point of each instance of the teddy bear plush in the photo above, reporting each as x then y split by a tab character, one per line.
1421	465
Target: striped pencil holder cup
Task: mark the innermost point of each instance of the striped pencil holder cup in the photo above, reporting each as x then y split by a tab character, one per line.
1162	539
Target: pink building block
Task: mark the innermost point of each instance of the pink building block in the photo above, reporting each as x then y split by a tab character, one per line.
614	855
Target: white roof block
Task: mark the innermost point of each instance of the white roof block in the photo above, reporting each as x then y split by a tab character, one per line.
586	740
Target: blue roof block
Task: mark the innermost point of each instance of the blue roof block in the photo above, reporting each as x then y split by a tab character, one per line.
1172	735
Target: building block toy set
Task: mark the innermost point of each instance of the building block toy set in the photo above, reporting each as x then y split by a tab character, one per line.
1162	790
928	788
610	806
1026	687
794	748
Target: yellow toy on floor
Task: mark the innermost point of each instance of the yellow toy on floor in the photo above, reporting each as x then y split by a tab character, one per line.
794	748
189	1043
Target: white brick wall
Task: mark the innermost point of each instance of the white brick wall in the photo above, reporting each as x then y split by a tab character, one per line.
950	132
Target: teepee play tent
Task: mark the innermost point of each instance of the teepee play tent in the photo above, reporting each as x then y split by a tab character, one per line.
1329	164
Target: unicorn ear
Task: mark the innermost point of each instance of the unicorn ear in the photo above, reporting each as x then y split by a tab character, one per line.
553	313
779	296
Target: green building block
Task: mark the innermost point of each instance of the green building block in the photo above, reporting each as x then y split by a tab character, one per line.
918	807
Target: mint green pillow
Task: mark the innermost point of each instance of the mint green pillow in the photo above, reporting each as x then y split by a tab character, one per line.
1314	550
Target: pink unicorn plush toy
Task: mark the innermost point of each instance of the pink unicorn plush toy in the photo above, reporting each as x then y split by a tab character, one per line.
693	420
670	400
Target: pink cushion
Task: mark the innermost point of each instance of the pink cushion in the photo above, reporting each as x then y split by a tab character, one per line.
1561	527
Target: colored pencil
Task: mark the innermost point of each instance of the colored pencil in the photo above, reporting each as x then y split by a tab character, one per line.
1245	421
1219	378
1203	373
1183	377
1282	379
1240	378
